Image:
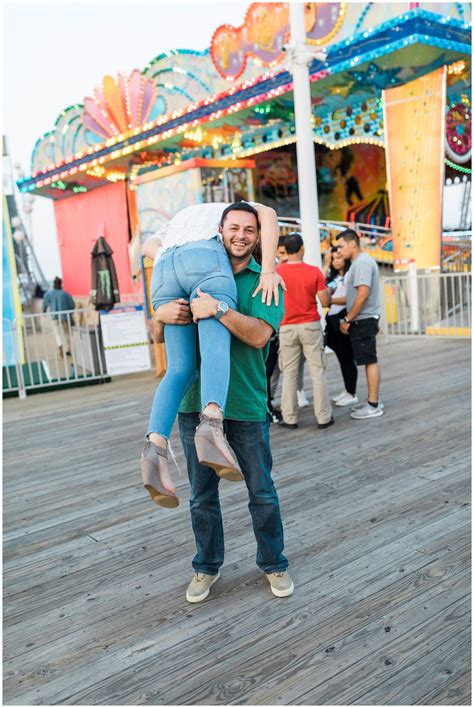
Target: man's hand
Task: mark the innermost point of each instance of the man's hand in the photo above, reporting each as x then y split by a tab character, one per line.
345	327
268	284
175	312
203	306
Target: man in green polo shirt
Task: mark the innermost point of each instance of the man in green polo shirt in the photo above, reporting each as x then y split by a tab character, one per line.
246	415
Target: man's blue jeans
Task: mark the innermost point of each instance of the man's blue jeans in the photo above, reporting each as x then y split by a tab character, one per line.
251	443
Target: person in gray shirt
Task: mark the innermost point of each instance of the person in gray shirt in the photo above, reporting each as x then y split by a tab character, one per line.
362	320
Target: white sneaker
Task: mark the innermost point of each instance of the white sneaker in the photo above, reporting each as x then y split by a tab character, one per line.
339	395
198	588
281	583
367	411
363	405
302	400
346	400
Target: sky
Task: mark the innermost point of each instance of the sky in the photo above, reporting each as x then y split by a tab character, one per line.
55	53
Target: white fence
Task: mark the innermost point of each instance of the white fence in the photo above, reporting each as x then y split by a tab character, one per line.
430	304
330	229
39	351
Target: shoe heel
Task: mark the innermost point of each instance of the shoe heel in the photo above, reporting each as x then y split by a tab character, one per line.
210	457
153	485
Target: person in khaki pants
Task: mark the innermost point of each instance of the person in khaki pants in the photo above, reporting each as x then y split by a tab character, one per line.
301	331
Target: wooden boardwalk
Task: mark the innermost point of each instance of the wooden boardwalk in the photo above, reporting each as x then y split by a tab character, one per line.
377	521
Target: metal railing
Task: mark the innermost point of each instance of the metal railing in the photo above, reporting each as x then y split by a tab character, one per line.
428	304
39	351
372	234
456	246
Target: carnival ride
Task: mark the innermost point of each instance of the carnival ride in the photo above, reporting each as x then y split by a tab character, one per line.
234	102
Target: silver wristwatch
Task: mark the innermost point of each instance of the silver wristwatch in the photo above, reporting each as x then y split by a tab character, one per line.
222	308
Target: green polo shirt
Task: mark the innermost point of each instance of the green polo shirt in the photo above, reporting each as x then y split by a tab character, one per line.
247	396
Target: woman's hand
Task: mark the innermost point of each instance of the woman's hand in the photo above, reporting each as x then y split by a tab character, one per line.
327	263
174	312
268	284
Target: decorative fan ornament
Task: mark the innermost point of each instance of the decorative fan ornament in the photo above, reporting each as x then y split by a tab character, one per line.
458	133
265	31
120	105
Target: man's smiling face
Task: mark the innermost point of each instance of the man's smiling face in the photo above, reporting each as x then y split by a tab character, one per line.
239	234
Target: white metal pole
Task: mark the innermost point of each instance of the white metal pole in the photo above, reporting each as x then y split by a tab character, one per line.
414	303
308	193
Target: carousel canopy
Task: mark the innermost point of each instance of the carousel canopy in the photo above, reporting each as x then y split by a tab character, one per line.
235	99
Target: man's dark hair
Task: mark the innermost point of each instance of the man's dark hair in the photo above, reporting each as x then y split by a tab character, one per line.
281	241
240	206
58	283
349	235
293	243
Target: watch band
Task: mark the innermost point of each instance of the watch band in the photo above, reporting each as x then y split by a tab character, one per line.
222	308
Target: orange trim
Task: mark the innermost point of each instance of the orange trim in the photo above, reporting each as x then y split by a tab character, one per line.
190	164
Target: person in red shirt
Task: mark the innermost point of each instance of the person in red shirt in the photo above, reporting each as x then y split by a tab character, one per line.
301	331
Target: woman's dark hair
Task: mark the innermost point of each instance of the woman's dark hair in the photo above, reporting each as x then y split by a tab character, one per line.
332	271
257	252
240	206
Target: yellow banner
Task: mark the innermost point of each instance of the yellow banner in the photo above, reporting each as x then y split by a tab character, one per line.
414	118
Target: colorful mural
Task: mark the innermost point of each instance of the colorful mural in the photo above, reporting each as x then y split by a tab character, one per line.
349	177
159	200
160	194
350	180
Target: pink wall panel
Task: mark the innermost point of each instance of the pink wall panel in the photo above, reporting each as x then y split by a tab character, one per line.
80	221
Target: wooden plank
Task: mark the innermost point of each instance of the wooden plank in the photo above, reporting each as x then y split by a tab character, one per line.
455	691
244	642
377	531
437	665
371	534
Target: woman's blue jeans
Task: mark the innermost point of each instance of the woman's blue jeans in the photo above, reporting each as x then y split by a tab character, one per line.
178	274
251	443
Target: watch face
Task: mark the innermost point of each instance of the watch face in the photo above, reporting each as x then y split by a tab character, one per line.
222	308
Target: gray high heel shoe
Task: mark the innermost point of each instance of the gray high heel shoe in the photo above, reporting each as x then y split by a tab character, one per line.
153	461
214	451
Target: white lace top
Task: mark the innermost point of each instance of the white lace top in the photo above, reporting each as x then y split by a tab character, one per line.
194	223
339	292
